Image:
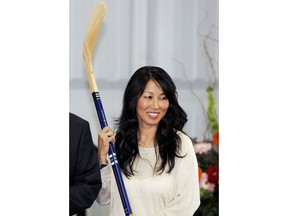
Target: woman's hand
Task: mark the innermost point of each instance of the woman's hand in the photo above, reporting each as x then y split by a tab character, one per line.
105	136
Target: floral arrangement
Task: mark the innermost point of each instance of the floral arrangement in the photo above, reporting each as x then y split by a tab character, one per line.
208	170
207	150
207	153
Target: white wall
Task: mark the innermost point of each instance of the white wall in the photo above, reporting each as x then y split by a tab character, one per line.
165	33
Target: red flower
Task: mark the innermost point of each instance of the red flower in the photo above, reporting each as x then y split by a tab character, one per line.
216	138
200	173
213	174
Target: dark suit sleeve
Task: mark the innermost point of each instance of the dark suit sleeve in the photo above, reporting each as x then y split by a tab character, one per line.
85	182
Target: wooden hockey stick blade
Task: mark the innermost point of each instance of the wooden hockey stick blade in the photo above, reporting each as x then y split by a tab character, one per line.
89	42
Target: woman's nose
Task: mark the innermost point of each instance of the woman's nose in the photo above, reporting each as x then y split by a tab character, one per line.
155	103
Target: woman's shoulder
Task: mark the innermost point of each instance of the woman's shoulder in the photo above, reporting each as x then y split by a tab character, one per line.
186	141
184	137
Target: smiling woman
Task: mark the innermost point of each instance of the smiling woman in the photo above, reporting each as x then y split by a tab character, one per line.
157	159
152	105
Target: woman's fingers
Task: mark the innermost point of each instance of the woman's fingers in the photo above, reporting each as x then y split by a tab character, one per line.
105	136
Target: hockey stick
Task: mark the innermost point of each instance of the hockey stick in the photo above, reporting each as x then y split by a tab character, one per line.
89	41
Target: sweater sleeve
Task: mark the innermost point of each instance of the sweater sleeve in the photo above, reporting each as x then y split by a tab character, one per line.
187	195
104	196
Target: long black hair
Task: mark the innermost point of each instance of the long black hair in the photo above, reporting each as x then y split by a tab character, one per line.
168	141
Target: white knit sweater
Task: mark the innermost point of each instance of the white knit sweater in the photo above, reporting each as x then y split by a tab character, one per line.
174	194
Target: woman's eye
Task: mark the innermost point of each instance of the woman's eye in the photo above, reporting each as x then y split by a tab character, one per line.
163	98
148	97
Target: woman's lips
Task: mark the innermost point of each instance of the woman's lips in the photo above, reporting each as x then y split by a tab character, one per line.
153	115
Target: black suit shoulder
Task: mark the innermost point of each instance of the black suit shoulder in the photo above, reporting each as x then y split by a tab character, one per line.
76	121
85	179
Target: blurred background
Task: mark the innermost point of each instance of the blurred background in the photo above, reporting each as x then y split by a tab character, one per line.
179	36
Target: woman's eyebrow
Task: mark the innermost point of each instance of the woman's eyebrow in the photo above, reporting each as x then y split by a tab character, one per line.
162	93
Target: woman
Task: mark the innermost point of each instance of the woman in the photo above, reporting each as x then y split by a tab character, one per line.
157	159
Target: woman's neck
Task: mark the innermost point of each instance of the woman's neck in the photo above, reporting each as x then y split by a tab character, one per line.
146	137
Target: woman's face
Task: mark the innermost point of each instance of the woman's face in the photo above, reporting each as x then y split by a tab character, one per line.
152	105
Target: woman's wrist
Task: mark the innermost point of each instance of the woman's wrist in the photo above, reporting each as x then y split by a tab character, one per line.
103	163
102	159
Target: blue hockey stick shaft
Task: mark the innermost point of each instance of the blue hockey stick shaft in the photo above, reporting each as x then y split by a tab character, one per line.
112	156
